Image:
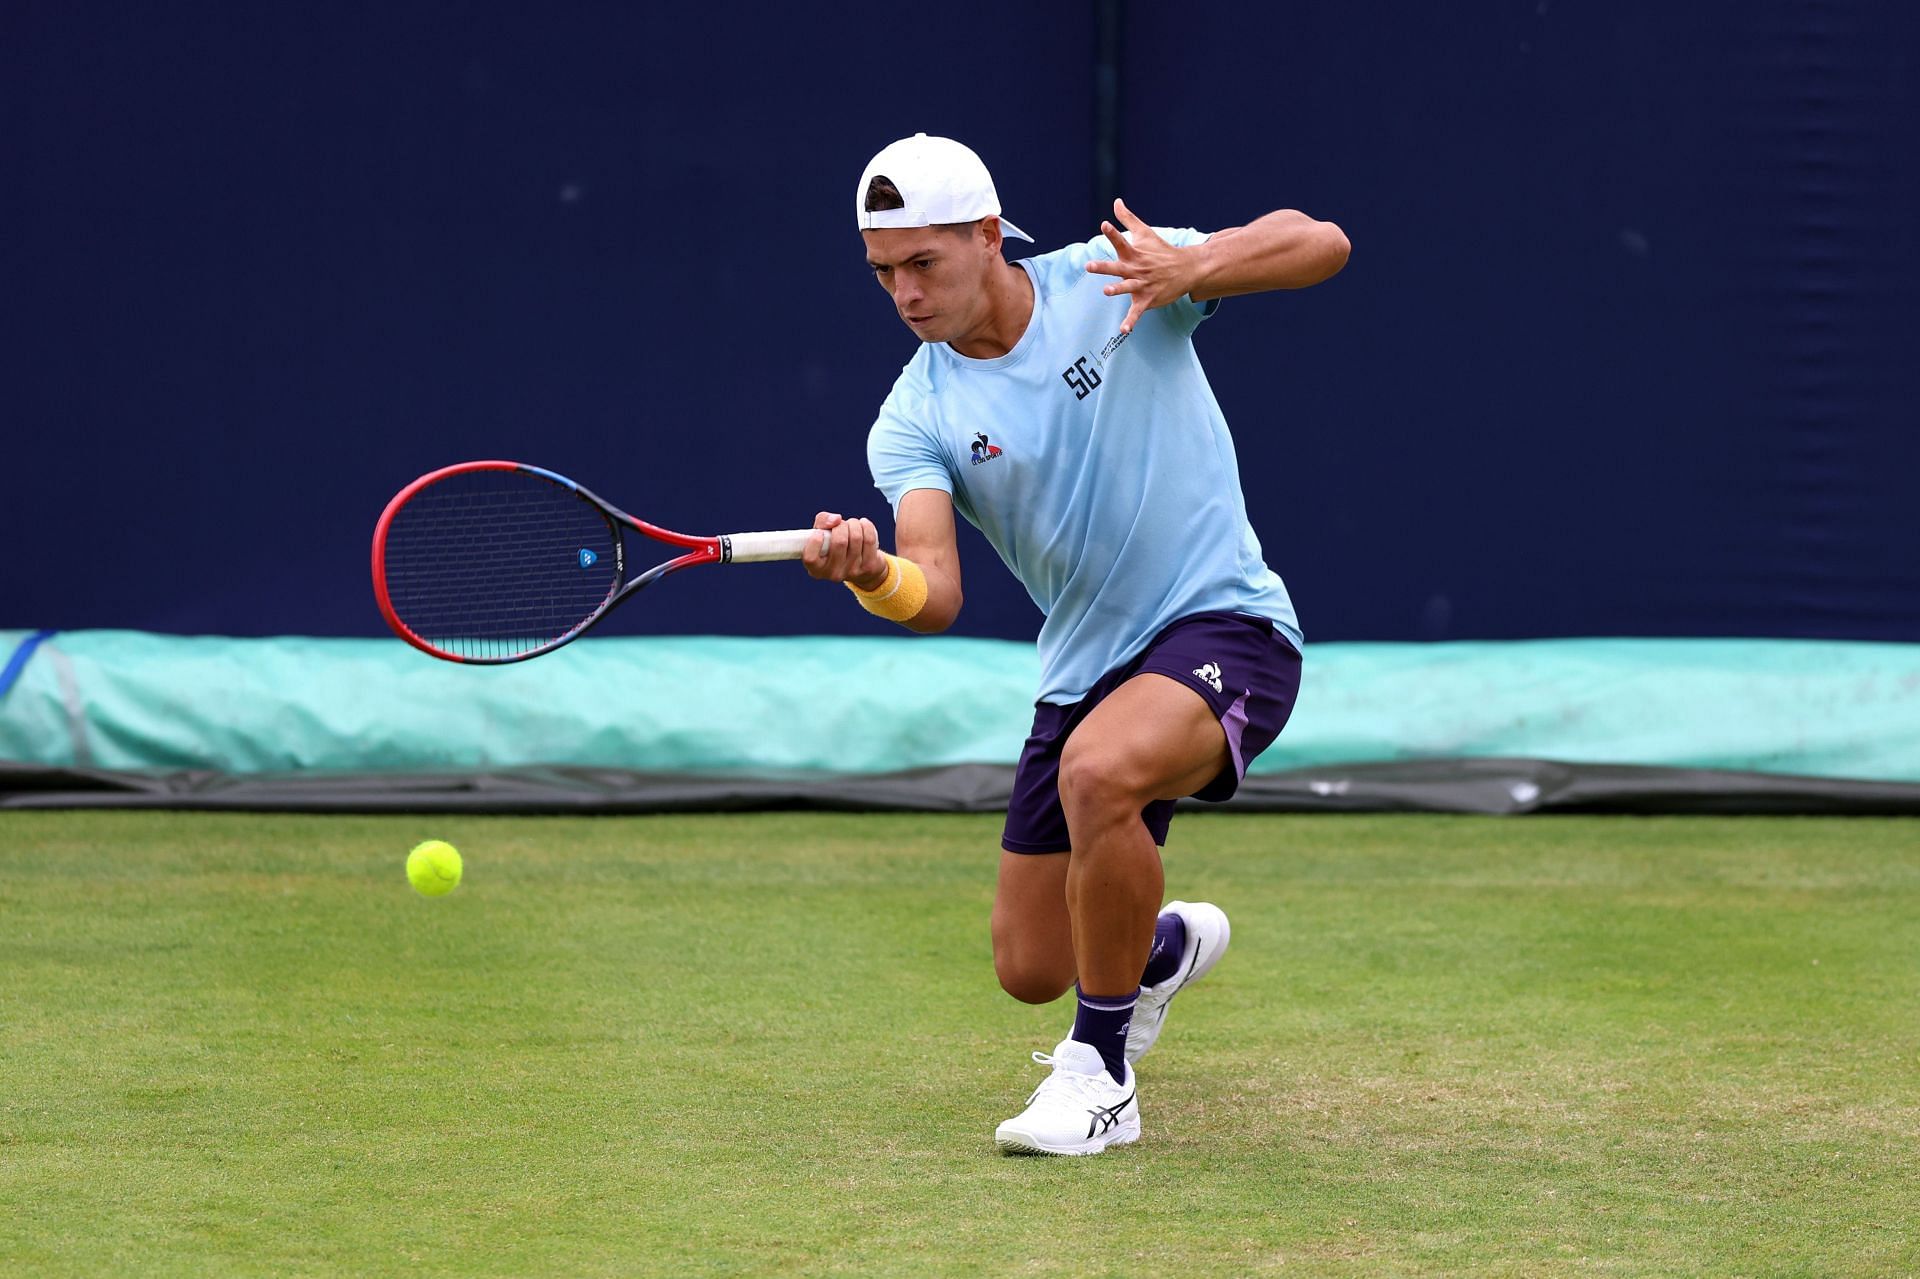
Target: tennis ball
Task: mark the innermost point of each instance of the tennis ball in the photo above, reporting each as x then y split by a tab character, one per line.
433	868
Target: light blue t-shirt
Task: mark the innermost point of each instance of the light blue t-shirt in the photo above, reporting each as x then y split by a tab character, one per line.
1100	469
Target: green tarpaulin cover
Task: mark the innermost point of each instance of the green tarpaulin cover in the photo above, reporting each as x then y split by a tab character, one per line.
123	700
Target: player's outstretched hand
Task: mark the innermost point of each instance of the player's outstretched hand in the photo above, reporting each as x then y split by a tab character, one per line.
849	551
1152	270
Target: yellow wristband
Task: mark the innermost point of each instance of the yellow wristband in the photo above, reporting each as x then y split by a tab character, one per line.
901	594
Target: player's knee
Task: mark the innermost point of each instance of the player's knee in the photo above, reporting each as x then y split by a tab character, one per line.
1031	985
1091	782
1029	975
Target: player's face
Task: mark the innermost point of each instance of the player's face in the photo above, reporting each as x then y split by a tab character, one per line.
937	278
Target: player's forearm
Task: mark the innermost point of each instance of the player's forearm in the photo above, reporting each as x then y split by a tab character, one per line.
921	594
925	538
943	601
1283	250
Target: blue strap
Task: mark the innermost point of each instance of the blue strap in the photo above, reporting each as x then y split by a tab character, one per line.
18	662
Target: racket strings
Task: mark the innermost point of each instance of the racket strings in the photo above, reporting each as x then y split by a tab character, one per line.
493	564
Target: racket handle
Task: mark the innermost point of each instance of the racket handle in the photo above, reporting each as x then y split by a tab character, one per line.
752	548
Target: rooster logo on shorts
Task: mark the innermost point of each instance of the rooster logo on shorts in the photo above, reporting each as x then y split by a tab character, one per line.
982	450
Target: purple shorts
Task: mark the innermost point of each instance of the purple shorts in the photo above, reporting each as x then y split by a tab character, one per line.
1245	669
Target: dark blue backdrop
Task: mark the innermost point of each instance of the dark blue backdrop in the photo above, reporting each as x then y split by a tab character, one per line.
1626	345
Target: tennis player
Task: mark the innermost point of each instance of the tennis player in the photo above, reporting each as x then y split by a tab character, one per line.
1057	403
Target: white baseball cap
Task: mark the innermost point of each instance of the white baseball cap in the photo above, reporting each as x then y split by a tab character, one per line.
941	181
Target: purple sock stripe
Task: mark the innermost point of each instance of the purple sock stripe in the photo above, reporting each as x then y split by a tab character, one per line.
1101	1022
1110	1003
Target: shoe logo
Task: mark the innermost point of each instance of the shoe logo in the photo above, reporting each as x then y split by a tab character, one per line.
983	451
1211	674
1106	1117
1199	949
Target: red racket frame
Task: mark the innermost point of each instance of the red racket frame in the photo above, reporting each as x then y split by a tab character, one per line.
700	550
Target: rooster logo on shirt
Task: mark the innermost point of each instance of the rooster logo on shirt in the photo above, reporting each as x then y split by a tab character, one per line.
983	451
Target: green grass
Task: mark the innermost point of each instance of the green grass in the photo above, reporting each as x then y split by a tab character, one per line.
772	1044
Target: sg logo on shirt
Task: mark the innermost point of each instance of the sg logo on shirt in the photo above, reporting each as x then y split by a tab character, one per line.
1081	378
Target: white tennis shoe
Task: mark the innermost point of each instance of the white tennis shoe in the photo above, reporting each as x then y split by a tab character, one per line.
1207	937
1076	1110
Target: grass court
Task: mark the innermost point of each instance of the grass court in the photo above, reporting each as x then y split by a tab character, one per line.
772	1044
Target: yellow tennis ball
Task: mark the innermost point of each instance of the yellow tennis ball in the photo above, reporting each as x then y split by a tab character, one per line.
433	868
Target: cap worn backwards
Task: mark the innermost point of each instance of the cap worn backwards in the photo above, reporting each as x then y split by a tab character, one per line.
941	181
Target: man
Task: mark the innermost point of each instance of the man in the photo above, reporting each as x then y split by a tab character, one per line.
1057	403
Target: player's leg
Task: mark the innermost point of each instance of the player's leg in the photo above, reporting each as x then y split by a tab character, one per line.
1079	1108
1032	929
1032	932
1032	937
1149	742
1185	718
1152	739
1138	745
1033	953
1248	677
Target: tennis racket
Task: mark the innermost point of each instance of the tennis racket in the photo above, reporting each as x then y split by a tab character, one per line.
493	562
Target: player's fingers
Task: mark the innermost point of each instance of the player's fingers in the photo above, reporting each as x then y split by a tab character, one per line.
845	539
816	552
1134	312
1127	217
1118	241
1105	266
813	556
1124	286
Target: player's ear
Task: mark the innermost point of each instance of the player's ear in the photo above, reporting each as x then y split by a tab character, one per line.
990	232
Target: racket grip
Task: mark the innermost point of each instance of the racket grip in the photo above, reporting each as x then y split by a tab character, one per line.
752	548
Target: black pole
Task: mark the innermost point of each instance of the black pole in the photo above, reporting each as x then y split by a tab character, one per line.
1106	108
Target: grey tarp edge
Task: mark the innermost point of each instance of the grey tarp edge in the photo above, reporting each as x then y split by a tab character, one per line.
1487	786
